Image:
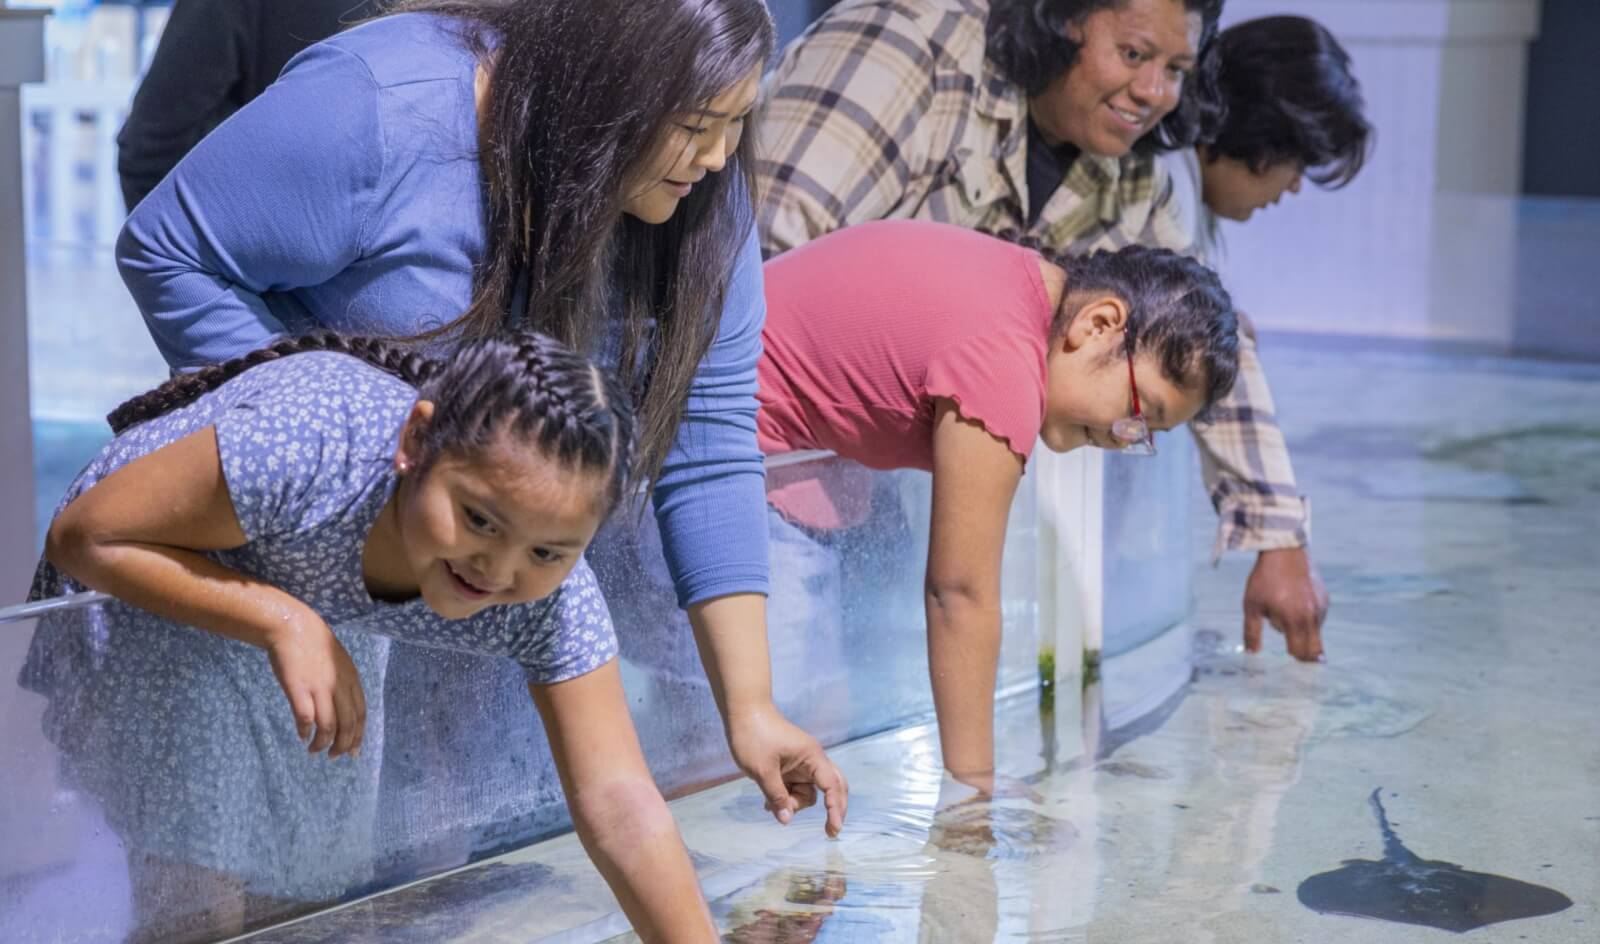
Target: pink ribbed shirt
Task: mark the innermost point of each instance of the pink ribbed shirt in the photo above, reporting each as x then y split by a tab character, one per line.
870	325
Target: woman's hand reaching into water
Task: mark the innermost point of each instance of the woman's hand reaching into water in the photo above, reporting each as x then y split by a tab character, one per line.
322	685
788	765
1285	590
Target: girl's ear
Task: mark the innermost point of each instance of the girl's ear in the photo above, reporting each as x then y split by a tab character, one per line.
409	454
1099	318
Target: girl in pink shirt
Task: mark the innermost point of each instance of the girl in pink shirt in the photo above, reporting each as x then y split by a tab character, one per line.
912	344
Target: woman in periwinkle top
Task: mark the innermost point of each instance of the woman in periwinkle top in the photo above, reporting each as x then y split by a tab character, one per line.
579	163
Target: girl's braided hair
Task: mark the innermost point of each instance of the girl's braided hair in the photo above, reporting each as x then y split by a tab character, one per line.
183	389
523	383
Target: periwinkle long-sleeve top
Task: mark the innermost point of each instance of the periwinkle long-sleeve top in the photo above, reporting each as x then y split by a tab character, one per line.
348	196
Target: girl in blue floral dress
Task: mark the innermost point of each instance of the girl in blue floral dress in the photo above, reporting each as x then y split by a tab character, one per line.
252	518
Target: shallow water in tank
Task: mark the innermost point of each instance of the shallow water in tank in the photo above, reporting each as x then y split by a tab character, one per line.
1457	514
1456	525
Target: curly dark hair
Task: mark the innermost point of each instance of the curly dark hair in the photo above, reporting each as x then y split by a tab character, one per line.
1290	96
1027	41
1177	310
528	384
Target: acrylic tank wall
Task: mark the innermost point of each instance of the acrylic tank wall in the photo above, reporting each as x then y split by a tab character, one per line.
462	766
464	770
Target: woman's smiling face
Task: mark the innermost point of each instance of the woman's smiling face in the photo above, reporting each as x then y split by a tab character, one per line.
696	144
1128	75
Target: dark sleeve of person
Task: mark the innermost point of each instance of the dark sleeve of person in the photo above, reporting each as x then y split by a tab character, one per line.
192	85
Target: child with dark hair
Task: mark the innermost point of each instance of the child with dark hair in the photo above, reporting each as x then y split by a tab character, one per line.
910	344
252	518
1293	110
577	167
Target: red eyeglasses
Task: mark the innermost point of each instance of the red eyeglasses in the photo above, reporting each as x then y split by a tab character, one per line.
1133	431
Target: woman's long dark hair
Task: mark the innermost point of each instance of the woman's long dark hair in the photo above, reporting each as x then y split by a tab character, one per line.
580	94
1027	41
522	383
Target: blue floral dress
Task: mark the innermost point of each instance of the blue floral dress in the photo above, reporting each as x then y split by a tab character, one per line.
184	736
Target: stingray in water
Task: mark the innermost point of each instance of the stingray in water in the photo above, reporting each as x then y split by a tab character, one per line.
1411	890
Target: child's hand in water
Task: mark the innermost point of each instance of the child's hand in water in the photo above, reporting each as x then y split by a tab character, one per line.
322	685
964	788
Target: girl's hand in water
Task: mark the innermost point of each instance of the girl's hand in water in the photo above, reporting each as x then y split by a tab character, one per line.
322	685
961	789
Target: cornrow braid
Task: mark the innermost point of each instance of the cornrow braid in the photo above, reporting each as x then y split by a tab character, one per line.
540	391
527	384
393	357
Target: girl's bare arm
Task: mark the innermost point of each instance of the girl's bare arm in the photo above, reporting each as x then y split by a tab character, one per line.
139	533
975	476
621	819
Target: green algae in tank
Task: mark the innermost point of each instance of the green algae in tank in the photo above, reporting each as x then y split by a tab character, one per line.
1091	667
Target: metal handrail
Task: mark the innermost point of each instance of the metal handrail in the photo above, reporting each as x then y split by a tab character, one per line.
38	608
786	459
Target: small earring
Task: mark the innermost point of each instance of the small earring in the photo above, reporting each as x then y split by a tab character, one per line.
403	466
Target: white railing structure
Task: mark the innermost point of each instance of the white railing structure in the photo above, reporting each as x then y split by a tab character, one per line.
28	790
69	132
93	57
1419	246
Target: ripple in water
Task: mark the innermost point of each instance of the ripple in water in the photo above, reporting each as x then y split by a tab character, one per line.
1348	702
794	906
809	899
999	832
1407	889
1133	768
1390	587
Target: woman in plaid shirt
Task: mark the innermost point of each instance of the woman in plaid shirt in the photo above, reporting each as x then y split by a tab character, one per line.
984	115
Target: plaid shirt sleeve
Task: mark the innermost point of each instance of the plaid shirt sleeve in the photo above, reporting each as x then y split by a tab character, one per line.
1245	461
842	125
1243	455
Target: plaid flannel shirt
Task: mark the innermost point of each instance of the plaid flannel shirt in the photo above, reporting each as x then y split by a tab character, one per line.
890	109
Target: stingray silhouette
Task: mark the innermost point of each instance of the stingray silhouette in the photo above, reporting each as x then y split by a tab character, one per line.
1409	889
